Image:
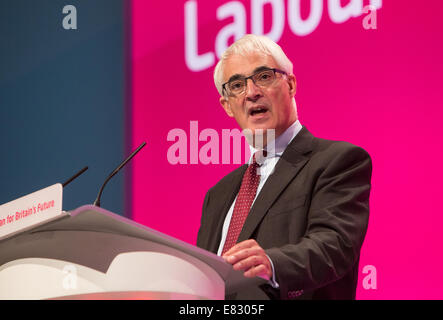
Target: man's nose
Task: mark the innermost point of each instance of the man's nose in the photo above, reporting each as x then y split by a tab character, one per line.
253	92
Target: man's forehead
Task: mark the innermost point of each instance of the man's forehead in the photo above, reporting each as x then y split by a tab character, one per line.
246	64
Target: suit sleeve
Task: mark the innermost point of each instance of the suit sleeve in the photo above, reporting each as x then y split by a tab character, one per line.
336	225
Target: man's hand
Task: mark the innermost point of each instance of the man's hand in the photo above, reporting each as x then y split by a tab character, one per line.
250	257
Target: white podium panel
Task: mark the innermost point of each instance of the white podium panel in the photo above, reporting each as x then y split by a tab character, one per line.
133	274
91	253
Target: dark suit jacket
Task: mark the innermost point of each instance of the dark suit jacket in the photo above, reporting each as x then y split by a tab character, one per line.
310	217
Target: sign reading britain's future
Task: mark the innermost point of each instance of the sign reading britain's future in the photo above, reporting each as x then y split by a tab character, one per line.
30	210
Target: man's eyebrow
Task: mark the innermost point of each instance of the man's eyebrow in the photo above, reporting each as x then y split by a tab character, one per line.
241	76
235	77
261	68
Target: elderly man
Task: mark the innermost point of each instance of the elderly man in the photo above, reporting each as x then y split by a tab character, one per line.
297	218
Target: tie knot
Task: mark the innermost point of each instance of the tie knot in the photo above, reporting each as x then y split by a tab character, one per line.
259	157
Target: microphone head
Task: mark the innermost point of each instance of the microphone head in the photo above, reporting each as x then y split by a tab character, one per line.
114	172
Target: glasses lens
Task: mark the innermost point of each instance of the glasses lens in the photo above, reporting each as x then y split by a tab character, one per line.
264	78
236	86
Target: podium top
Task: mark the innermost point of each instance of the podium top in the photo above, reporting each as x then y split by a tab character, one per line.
95	219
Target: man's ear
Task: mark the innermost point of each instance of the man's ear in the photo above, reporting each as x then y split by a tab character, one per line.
292	82
226	105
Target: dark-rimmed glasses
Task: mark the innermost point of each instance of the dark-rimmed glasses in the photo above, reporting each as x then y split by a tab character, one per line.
261	78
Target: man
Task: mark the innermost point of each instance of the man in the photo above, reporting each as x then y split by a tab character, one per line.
299	217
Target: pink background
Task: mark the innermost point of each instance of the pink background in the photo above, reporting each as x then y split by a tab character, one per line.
379	89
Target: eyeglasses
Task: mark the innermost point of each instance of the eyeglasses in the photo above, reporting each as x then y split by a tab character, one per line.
262	78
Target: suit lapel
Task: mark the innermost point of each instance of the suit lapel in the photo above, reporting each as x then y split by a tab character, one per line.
292	161
229	191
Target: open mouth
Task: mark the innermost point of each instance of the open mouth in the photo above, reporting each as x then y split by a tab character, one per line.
257	110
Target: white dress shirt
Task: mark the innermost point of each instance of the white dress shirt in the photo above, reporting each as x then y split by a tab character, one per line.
266	169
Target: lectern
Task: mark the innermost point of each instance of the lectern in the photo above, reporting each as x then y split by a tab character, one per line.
91	253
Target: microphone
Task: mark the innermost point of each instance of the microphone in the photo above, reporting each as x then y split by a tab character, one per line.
97	200
74	176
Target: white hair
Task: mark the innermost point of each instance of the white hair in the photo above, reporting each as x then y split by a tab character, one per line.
252	43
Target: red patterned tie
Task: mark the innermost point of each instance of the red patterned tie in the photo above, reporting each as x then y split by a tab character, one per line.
243	204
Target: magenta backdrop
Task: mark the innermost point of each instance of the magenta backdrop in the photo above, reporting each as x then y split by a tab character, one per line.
380	89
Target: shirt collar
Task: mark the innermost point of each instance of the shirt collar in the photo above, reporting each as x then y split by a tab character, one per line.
281	142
